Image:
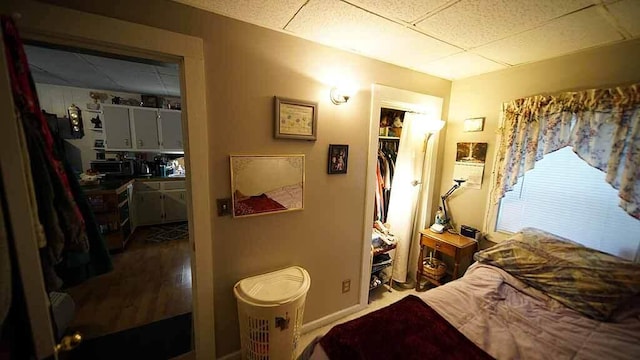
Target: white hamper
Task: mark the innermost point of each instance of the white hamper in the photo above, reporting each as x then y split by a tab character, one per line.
270	309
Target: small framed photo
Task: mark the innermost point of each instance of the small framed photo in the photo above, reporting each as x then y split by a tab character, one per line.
474	124
338	159
295	119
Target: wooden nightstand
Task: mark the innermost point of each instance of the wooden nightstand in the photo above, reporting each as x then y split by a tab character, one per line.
457	246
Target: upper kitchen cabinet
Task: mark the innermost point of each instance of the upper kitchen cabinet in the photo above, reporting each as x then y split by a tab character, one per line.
117	127
135	128
145	124
171	126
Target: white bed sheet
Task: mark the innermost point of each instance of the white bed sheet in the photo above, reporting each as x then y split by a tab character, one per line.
510	320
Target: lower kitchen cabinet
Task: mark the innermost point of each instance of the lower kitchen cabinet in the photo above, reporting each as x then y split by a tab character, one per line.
148	207
175	205
160	202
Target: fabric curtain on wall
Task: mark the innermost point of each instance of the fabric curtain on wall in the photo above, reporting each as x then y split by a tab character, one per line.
404	194
601	125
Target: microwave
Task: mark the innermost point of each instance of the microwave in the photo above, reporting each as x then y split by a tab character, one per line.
124	167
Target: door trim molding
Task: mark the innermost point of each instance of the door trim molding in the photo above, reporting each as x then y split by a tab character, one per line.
385	96
41	23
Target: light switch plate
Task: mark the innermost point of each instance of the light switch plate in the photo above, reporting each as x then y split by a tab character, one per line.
224	206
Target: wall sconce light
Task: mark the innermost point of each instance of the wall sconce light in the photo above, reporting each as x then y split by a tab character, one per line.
340	95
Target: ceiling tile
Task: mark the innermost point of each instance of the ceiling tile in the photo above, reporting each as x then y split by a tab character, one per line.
405	10
581	30
43	77
470	23
111	64
262	12
627	13
168	69
460	66
341	25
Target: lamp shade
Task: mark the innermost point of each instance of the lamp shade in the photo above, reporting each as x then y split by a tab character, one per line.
425	123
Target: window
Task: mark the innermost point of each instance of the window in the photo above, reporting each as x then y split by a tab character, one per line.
565	196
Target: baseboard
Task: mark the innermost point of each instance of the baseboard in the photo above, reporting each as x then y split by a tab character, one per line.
315	324
233	356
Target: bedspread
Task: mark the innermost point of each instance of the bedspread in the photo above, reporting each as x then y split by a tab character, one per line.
511	320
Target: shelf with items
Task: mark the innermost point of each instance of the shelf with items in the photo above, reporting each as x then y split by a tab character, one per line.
381	262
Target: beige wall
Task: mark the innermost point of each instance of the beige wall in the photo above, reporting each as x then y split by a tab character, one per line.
483	96
246	66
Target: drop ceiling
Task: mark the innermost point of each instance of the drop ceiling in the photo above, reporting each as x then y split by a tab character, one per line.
68	68
452	39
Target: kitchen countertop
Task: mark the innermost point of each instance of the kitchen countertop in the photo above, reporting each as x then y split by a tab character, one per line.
159	178
118	185
107	187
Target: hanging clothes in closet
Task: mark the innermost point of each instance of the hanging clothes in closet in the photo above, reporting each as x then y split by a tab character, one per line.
71	247
387	154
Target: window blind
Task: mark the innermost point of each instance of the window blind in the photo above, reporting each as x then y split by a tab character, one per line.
565	196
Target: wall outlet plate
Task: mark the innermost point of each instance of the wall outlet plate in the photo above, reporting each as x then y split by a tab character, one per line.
224	206
346	286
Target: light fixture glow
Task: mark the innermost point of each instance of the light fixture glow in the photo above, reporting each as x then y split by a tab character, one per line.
341	94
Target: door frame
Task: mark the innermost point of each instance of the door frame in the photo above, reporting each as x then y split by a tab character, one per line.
41	23
385	96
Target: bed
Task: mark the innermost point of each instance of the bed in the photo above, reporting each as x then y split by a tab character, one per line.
534	296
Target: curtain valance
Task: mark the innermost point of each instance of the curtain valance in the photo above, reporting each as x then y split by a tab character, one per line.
601	125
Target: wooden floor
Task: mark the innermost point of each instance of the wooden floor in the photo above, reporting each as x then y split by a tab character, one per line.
150	282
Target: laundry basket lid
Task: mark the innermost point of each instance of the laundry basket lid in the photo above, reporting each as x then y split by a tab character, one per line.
274	288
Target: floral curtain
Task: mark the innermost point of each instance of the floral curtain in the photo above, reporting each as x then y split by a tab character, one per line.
601	125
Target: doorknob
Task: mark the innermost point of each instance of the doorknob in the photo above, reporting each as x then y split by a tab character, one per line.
69	342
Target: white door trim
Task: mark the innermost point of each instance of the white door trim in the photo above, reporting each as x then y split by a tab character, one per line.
41	22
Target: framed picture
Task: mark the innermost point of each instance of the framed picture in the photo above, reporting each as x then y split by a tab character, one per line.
295	119
475	124
338	158
266	184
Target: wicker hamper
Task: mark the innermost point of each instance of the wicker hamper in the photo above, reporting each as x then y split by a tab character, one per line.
434	270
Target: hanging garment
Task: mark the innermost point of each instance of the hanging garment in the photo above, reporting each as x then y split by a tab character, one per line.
57	207
404	194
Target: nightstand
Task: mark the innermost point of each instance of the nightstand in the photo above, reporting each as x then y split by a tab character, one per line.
457	246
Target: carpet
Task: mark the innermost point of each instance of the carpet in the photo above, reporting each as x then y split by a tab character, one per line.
161	233
162	339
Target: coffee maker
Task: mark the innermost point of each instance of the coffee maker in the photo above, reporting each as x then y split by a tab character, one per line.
159	166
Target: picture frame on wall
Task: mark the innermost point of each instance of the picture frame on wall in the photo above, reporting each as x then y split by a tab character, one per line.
338	159
295	119
266	184
474	124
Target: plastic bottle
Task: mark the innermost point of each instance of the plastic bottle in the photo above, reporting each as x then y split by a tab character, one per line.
439	216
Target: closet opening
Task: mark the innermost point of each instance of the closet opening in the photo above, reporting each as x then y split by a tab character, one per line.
400	182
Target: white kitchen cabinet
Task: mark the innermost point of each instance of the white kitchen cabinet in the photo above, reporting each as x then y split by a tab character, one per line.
158	202
148	207
142	129
145	124
171	126
117	127
174	203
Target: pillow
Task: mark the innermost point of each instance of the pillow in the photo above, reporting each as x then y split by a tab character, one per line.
586	280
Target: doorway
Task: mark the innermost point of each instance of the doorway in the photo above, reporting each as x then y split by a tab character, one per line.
384	100
188	52
150	283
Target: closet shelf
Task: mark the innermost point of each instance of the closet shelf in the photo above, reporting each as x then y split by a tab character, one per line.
388	138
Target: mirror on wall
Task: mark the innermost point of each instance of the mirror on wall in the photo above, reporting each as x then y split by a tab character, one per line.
265	184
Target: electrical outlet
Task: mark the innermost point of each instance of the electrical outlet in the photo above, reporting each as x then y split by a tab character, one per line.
346	286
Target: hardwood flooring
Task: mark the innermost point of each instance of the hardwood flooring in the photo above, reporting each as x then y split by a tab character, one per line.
150	282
